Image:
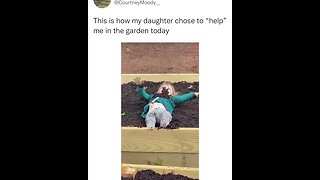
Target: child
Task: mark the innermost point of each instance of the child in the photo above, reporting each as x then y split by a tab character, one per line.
161	105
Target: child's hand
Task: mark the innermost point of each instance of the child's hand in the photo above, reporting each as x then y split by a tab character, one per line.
137	81
197	94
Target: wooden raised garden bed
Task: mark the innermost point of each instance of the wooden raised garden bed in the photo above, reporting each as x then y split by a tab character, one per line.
156	148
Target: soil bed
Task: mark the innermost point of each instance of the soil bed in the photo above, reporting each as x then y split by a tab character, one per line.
151	58
151	175
184	115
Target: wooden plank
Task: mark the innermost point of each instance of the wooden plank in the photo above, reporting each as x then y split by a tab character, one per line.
186	171
163	159
182	140
125	78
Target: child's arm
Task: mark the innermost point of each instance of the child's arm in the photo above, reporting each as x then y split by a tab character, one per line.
143	93
185	97
140	89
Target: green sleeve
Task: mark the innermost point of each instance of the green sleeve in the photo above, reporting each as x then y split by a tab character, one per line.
183	98
143	93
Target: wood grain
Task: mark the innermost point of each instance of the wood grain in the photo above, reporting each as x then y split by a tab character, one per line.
182	140
163	159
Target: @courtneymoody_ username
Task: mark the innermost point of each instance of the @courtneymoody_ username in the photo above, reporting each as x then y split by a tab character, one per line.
138	2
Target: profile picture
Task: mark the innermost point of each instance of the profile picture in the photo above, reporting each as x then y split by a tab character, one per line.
160	110
102	3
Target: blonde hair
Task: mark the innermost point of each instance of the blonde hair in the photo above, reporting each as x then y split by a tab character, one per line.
167	83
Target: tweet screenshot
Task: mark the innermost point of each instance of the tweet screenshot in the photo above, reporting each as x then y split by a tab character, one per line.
159	89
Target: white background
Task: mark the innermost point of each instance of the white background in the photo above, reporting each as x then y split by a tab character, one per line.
215	56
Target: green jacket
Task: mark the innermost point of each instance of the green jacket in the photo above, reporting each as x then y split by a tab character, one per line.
169	104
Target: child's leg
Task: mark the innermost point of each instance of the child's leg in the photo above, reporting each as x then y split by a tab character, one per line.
164	117
150	119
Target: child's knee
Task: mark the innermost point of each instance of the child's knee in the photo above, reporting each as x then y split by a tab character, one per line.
150	122
151	125
165	121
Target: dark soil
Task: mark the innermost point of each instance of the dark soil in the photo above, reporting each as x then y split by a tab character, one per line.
184	115
150	58
151	175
